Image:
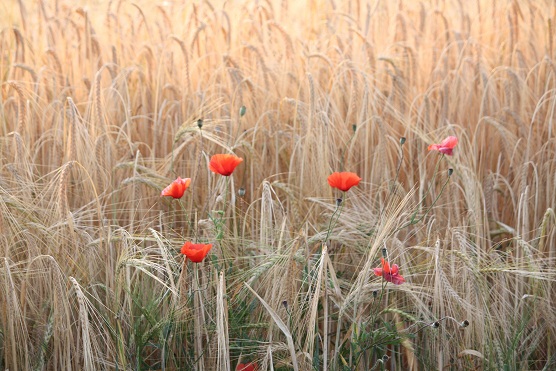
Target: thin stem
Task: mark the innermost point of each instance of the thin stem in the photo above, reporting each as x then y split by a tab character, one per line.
325	318
187	219
339	206
224	209
197	320
199	158
431	324
226	193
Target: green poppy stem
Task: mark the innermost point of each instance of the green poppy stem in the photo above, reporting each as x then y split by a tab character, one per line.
339	206
187	219
198	345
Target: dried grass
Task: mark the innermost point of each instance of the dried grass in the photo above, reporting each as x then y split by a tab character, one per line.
98	112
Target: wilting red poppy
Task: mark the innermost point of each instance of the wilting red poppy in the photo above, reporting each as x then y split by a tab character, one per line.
446	146
224	164
176	188
390	274
344	180
195	252
251	366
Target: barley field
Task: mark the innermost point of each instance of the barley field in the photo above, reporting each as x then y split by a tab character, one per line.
104	104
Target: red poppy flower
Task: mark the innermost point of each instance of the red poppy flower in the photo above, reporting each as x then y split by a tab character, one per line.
176	188
446	147
224	164
343	181
195	252
252	366
389	274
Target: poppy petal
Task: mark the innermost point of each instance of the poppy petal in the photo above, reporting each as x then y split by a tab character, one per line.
247	367
177	188
385	266
396	279
343	180
446	146
446	151
224	164
195	252
394	269
389	273
449	142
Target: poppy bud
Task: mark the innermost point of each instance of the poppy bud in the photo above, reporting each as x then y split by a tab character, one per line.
402	141
375	293
435	324
338	201
285	304
241	192
354	127
242	111
465	323
200	123
450	171
384	253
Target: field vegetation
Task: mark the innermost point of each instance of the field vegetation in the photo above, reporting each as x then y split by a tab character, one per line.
104	103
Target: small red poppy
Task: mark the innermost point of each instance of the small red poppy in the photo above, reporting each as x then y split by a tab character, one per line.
344	180
389	274
176	188
224	164
446	146
251	366
195	252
